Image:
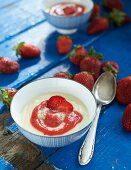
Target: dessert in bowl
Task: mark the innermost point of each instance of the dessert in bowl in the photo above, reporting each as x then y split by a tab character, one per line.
67	16
31	109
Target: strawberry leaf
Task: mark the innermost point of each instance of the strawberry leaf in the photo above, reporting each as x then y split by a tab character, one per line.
117	17
92	53
18	47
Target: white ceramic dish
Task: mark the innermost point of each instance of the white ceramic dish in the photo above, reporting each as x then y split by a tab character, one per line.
70	24
51	85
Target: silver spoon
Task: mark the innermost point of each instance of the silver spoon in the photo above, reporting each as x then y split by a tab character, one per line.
104	91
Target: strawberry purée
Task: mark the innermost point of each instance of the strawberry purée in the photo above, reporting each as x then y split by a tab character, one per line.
51	124
67	9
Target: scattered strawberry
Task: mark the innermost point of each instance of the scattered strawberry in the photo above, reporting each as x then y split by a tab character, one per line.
99	24
110	66
77	54
126	119
26	50
113	4
60	104
7	95
62	74
85	78
92	63
95	12
123	92
8	66
64	44
119	18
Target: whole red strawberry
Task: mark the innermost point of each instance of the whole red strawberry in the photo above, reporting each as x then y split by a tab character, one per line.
64	44
113	4
59	103
119	18
62	74
92	63
77	54
123	92
99	24
8	66
85	78
26	50
7	95
126	119
111	66
95	12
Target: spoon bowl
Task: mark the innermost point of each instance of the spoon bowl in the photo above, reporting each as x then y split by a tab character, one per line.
105	88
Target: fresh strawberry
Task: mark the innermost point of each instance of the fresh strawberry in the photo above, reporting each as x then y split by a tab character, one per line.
99	24
119	18
123	92
92	63
60	104
95	12
64	44
126	119
7	95
77	54
62	74
113	4
110	66
84	78
8	66
26	50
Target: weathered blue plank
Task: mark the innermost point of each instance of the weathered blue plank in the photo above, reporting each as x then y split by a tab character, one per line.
18	16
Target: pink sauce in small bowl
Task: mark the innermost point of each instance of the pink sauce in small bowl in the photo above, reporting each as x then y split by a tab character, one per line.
67	9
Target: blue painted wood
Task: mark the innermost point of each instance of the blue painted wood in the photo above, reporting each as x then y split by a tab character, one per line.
4	165
113	144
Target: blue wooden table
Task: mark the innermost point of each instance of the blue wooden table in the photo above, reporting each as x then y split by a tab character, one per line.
22	20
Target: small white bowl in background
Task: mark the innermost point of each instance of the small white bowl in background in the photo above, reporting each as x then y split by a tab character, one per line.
67	24
50	85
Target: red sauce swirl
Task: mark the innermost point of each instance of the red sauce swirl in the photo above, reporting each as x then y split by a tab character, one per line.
51	122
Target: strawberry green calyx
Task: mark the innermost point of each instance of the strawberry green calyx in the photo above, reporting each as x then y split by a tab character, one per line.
75	52
109	67
117	17
18	47
92	53
70	75
7	95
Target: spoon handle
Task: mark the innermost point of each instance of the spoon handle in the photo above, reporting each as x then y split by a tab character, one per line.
87	148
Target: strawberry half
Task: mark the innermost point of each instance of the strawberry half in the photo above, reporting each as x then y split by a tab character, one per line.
99	24
64	44
26	50
7	95
77	54
84	78
8	66
113	4
95	12
54	101
119	18
62	74
126	119
110	66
